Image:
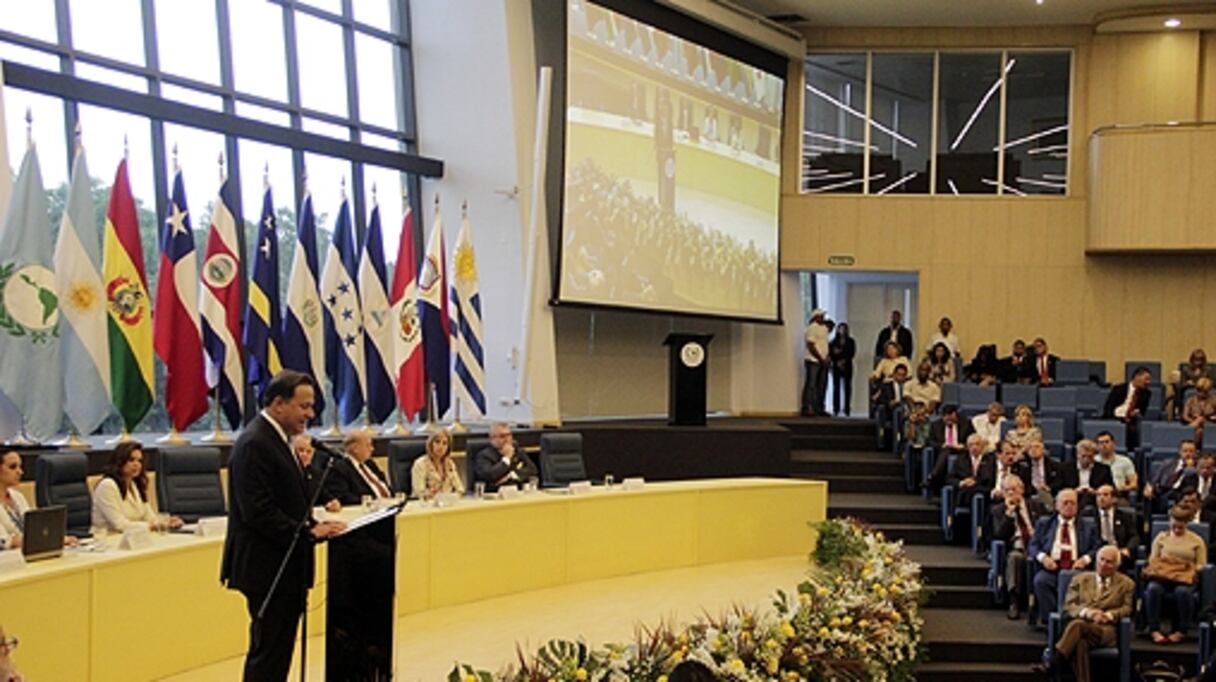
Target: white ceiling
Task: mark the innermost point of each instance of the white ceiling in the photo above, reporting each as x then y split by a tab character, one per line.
950	12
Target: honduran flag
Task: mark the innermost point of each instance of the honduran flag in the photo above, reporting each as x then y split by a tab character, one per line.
303	329
343	320
220	308
407	332
175	332
436	327
377	323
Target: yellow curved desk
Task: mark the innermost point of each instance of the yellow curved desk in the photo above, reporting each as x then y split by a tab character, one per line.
145	614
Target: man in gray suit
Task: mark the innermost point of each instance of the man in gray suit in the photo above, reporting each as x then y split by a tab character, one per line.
503	462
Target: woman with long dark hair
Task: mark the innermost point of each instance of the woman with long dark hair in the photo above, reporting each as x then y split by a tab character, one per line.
841	351
121	497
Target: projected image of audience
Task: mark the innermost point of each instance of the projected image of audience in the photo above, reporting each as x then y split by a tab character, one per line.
672	176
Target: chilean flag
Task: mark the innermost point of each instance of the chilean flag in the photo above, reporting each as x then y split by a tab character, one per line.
407	339
175	334
436	327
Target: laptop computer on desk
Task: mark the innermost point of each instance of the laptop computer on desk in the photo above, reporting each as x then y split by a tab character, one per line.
44	531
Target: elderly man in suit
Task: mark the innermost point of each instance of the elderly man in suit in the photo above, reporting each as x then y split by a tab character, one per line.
1040	473
1041	369
1085	474
973	473
1013	518
357	475
503	462
268	505
1095	602
1060	543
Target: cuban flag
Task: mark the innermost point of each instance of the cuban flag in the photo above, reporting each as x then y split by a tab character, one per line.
436	327
303	346
175	332
263	318
407	335
343	320
220	309
377	322
470	369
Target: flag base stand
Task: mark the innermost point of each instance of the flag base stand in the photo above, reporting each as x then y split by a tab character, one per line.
22	439
174	437
72	442
458	426
397	429
216	436
334	431
124	437
428	428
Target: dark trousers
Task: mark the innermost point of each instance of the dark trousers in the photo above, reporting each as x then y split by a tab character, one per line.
1079	637
1154	599
1046	596
272	639
813	388
842	389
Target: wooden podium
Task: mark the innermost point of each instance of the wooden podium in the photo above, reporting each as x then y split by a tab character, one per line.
360	610
688	368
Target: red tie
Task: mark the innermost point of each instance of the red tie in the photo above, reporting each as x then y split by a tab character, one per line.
1043	367
1023	528
374	480
1066	547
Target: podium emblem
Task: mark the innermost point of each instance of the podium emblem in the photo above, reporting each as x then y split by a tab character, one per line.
692	354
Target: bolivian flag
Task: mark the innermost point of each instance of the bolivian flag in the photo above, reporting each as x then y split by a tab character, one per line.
127	303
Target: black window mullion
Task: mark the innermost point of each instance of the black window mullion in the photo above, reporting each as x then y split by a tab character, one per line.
160	175
358	203
67	66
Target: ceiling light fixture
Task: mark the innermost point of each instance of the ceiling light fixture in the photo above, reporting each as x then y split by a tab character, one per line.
1038	2
1173	23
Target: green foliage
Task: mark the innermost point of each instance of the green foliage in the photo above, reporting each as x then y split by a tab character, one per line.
838	540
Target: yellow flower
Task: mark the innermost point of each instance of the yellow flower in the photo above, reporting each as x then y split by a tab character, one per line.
822	591
787	629
846	621
772	665
835	622
736	665
804	598
823	632
863	623
662	678
580	674
470	678
896	617
678	656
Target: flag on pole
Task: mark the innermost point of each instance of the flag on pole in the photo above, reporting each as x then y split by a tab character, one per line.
303	332
436	327
377	322
263	316
407	335
85	349
30	375
130	322
470	366
220	307
343	321
175	331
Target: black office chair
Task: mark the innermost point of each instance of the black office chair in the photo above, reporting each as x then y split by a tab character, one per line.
401	457
188	483
59	478
561	459
472	446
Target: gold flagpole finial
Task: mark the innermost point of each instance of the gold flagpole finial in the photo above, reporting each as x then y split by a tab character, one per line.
375	201
176	166
220	161
79	139
464	209
304	178
266	176
436	200
342	188
29	127
126	148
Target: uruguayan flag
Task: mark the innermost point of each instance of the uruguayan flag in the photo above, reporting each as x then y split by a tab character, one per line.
466	311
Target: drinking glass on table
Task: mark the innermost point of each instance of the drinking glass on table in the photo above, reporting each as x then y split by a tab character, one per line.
366	500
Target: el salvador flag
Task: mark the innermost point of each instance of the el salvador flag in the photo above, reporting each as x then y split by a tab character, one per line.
377	322
343	320
303	329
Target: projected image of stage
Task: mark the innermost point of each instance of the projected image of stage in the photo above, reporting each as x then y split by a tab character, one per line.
672	176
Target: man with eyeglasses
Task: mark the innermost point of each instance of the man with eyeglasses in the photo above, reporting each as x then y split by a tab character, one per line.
503	462
8	670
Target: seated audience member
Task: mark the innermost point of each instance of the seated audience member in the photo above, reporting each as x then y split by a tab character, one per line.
1174	475
1024	430
1041	474
503	462
1084	474
973	473
945	336
356	475
947	436
1042	369
12	520
1116	526
984	369
120	499
1188	498
1127	403
916	430
1177	555
890	399
923	389
1005	469
895	333
1013	519
301	445
892	357
1096	601
1200	408
988	425
1205	476
8	669
1122	469
435	472
1187	376
941	364
1060	544
1015	367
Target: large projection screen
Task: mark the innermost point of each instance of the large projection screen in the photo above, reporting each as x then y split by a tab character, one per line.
672	172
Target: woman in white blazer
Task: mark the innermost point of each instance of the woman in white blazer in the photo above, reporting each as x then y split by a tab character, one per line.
121	497
12	502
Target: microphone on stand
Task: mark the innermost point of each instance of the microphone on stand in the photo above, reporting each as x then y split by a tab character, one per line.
319	445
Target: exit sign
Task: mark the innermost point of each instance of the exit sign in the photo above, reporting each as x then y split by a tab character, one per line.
841	260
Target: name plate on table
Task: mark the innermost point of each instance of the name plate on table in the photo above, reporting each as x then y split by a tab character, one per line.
214	526
634	483
580	487
447	499
509	492
11	560
138	536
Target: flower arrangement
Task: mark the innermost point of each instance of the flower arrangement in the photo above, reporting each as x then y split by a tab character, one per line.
854	617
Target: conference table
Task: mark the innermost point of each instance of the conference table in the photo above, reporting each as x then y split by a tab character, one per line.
147	613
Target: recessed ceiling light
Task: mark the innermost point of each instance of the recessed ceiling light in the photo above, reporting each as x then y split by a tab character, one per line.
1173	23
1038	2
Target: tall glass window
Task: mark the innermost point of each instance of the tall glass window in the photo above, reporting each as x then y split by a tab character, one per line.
968	123
833	138
901	123
1036	123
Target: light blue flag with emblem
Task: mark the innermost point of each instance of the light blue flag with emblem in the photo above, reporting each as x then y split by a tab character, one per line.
30	374
82	302
470	367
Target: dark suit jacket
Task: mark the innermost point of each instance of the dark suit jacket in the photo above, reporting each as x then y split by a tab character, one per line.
937	433
1118	394
984	478
886	393
489	467
1003	526
347	486
1126	535
1070	476
1168	474
267	497
1051	474
1085	538
1030	367
902	336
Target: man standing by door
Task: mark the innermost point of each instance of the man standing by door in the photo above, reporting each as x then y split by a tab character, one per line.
816	364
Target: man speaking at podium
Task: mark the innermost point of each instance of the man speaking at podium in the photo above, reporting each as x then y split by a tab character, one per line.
269	495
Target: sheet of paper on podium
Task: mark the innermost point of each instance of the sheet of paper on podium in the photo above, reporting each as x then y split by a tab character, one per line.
372	517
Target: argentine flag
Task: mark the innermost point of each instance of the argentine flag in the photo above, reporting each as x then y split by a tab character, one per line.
343	320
